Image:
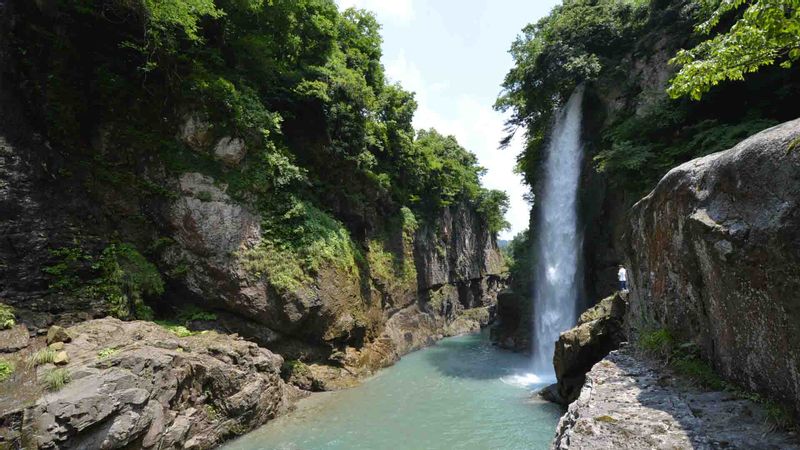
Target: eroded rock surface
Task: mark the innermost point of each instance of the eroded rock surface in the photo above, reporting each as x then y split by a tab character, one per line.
136	385
599	331
627	403
714	253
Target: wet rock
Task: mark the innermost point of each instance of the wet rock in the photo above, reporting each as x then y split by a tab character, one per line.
714	257
512	330
629	403
57	334
551	394
599	330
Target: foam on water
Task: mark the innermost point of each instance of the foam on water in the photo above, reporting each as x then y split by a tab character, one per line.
527	380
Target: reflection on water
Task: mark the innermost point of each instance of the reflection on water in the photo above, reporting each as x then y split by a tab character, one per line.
460	394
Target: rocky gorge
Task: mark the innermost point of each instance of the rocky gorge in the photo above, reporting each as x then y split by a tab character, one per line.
211	210
697	247
204	261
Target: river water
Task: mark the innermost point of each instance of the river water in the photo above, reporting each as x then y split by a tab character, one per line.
462	393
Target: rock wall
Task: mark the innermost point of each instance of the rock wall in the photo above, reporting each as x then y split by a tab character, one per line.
714	257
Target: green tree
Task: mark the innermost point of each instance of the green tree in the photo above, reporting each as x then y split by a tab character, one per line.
767	32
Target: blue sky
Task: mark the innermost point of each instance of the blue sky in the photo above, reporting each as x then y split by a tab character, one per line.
454	54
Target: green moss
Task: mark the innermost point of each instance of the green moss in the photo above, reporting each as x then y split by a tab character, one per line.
56	379
7	318
605	419
394	271
293	367
176	328
204	196
6	369
106	352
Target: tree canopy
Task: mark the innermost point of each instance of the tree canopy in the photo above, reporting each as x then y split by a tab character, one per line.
765	32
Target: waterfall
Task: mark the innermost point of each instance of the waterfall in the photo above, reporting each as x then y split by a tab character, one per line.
558	244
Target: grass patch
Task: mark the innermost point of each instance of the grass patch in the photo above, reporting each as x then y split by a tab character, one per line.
45	355
56	379
6	369
699	371
686	361
658	343
7	318
780	417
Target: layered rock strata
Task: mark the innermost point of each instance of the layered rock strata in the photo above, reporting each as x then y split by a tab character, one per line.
137	385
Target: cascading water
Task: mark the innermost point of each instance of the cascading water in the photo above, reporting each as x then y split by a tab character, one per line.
557	273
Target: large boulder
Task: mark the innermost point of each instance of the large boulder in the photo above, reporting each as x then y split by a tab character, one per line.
599	331
136	385
714	257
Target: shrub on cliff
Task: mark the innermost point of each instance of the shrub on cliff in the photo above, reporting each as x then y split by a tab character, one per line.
119	275
7	318
765	32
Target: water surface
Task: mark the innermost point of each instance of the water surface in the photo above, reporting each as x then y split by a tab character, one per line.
460	394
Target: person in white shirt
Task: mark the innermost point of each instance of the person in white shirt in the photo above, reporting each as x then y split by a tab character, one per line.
622	275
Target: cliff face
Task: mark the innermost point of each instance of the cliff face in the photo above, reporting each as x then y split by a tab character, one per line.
147	205
714	253
438	270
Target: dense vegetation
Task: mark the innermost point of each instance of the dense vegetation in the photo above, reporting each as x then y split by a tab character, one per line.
767	31
330	145
598	42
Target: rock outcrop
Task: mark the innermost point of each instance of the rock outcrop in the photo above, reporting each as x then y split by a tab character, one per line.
629	403
599	331
137	385
714	253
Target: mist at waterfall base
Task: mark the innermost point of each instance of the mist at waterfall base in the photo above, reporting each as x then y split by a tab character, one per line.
558	242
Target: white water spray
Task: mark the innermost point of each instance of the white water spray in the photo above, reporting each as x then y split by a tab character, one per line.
557	248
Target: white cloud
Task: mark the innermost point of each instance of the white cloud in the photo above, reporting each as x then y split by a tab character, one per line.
399	10
476	126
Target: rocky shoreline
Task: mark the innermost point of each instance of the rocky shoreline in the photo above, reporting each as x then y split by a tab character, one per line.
136	384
